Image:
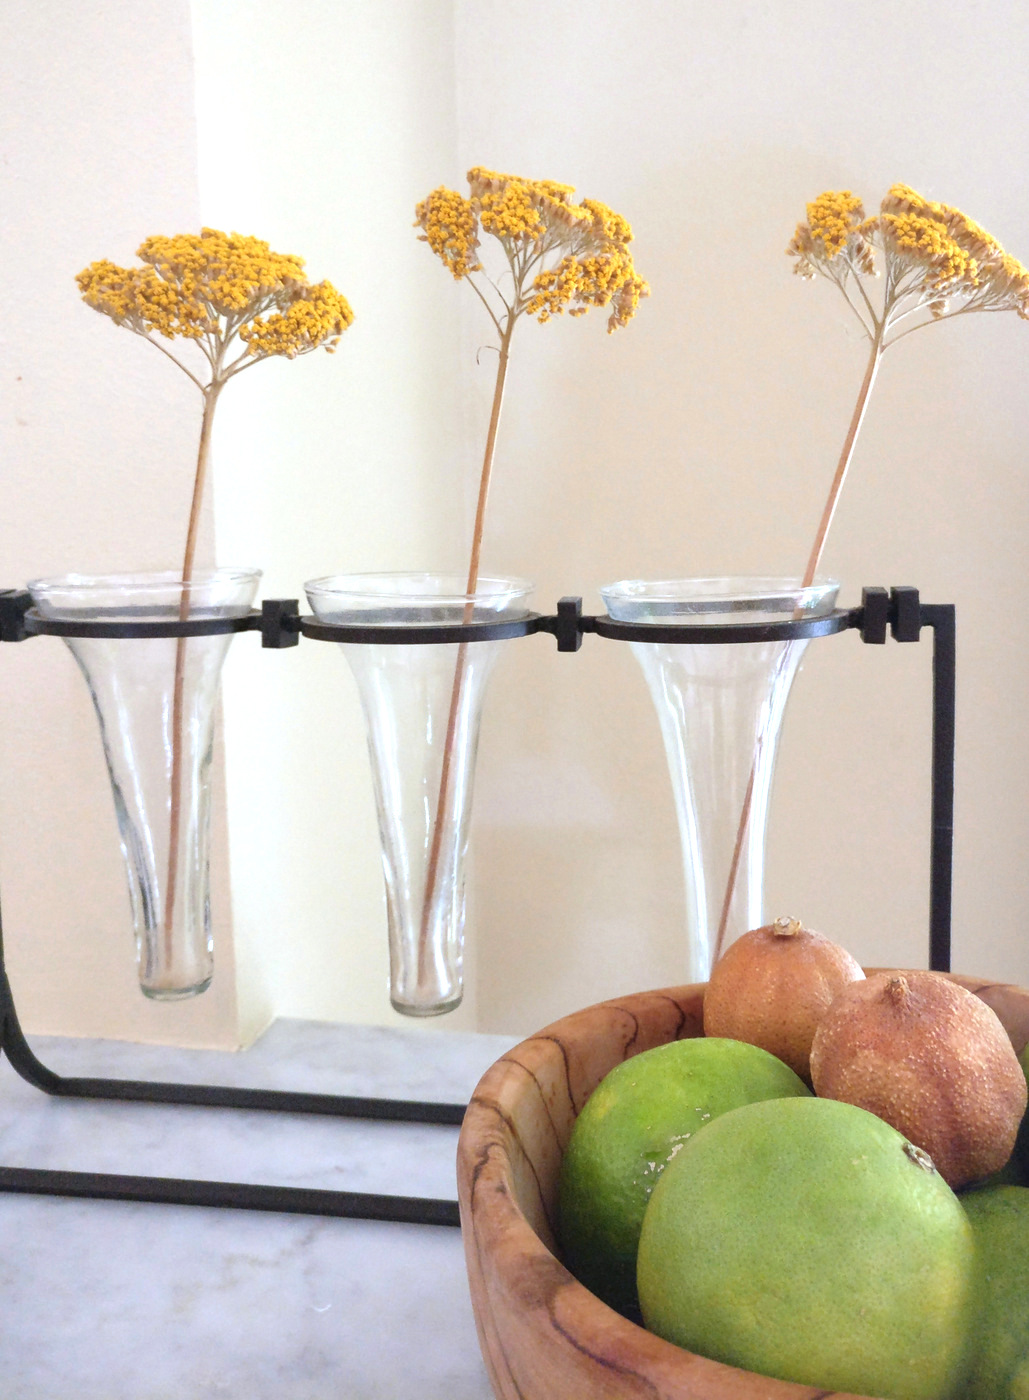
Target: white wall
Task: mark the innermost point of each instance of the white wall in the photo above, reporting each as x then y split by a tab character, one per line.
700	440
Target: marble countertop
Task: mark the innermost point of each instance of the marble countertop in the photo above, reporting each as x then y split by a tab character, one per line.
118	1301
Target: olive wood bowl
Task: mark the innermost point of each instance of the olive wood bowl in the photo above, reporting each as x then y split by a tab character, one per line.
543	1335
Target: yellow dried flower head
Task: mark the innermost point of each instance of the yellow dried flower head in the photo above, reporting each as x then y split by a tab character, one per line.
137	297
450	229
237	303
580	283
959	256
924	243
902	199
607	224
511	213
933	254
833	217
212	286
314	320
835	228
561	255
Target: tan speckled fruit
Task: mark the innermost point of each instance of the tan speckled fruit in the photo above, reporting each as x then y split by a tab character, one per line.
773	986
932	1060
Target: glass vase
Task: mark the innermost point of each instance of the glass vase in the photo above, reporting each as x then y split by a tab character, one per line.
155	698
422	705
720	707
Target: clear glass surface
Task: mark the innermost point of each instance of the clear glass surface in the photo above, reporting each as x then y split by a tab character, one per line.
422	705
158	746
720	707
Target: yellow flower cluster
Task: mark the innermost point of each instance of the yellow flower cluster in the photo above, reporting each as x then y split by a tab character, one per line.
314	319
835	226
137	297
511	213
210	286
927	244
833	217
932	251
956	255
450	230
534	220
580	283
515	209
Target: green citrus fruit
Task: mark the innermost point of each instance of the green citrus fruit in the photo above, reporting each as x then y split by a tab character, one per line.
1000	1225
808	1240
634	1123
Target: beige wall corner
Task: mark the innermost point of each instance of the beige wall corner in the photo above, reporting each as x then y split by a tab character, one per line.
329	465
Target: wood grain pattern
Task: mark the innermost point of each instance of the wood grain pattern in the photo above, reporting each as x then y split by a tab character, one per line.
543	1336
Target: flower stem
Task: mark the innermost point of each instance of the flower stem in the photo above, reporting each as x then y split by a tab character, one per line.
814	558
177	736
432	871
487	461
843	464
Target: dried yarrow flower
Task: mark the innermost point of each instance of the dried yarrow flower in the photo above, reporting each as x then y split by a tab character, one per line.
213	287
935	259
936	263
239	303
561	255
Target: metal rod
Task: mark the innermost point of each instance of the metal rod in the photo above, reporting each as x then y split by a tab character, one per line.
281	626
233	1195
941	617
265	1100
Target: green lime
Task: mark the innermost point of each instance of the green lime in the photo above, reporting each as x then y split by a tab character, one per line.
1000	1225
636	1120
808	1240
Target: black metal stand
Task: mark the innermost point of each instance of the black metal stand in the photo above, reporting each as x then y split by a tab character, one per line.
898	612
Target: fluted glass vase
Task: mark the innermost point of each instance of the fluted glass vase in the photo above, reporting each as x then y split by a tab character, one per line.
720	707
422	705
155	698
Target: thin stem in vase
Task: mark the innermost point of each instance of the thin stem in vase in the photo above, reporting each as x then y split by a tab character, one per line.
432	870
177	735
814	558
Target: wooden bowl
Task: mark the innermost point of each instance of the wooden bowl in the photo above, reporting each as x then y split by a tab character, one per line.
544	1336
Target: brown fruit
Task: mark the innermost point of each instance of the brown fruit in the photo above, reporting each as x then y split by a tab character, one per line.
932	1060
773	986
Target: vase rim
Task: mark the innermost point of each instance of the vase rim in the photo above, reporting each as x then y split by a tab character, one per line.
735	587
155	580
416	587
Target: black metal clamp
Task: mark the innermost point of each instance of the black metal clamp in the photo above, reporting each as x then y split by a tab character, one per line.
899	612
